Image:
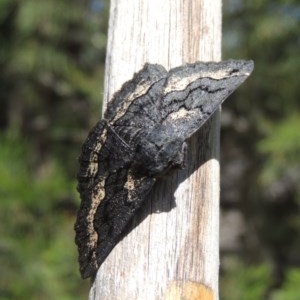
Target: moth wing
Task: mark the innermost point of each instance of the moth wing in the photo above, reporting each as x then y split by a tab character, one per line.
192	93
139	100
109	195
125	194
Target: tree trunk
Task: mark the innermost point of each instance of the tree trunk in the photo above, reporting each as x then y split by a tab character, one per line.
173	253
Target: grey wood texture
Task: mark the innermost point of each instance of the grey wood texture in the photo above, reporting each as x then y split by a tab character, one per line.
173	252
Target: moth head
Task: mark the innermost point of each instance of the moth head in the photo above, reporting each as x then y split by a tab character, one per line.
160	151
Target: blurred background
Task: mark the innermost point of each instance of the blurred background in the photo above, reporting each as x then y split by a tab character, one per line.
52	57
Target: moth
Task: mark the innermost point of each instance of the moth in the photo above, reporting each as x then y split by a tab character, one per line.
142	137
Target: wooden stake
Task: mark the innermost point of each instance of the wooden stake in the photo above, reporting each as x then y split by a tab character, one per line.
173	253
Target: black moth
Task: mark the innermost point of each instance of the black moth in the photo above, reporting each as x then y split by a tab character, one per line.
141	137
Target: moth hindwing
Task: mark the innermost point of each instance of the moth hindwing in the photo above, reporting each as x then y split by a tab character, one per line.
141	137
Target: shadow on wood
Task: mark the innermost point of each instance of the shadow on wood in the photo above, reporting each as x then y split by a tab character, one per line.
169	183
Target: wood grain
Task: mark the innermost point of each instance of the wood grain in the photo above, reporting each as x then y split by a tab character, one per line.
176	240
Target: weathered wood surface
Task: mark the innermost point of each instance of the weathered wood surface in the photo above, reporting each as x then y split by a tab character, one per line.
174	252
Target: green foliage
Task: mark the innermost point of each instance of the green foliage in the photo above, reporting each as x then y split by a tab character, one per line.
244	282
291	287
282	148
38	257
51	59
267	144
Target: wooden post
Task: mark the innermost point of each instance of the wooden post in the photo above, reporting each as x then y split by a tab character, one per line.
174	252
